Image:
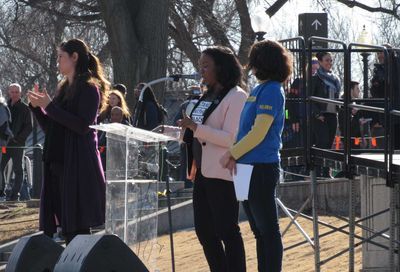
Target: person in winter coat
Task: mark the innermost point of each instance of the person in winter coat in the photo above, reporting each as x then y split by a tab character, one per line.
73	192
210	130
21	127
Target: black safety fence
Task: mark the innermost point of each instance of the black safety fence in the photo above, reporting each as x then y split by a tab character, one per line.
368	123
364	141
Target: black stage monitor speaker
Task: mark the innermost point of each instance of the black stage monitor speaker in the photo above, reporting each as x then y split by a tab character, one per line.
98	253
38	253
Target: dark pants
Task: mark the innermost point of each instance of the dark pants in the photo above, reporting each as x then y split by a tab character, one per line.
216	223
324	133
262	213
16	155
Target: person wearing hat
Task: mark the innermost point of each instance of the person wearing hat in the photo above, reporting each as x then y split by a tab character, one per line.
295	110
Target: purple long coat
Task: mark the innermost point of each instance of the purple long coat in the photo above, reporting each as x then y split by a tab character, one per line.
83	193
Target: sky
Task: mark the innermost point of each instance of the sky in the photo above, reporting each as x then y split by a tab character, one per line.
284	24
287	16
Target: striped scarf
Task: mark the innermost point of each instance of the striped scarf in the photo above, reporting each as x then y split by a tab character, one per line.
331	81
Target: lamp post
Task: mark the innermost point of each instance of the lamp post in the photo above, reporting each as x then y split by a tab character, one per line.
364	38
257	23
260	35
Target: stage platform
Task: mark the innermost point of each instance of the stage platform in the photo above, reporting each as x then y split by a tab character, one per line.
370	162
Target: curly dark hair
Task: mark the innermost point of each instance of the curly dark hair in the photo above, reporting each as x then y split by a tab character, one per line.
229	71
270	60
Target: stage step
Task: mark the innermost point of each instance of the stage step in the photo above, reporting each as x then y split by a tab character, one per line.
162	202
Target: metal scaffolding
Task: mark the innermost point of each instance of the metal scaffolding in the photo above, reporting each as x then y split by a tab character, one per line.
347	159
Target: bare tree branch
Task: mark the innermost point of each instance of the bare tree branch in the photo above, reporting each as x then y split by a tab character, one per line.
44	5
213	26
182	37
353	3
8	45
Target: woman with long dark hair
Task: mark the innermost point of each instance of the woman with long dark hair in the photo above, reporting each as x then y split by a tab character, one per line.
73	192
148	112
210	130
324	84
258	144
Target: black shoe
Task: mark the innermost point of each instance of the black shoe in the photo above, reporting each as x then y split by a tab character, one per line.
2	194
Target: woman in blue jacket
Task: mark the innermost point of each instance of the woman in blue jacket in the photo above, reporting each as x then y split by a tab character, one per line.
258	144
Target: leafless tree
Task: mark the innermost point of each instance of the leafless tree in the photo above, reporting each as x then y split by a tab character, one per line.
133	33
195	24
30	34
140	40
390	7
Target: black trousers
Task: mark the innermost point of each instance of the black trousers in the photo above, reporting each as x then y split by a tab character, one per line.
324	134
216	223
16	155
262	213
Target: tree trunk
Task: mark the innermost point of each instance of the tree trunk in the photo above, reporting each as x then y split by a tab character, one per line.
137	32
246	30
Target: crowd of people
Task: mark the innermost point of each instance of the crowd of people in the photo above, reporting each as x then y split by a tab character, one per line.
223	124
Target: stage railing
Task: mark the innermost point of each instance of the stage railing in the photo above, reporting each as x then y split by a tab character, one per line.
348	159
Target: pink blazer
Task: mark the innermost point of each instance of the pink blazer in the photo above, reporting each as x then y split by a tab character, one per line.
218	133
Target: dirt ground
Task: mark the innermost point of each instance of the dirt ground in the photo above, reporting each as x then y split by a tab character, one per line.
189	255
17	220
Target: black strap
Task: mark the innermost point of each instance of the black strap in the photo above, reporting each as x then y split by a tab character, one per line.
188	136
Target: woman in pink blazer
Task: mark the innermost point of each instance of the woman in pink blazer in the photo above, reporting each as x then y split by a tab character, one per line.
210	130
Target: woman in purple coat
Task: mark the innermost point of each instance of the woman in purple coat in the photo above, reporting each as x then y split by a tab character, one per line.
73	192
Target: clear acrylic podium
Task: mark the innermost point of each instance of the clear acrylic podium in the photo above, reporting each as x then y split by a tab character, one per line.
132	172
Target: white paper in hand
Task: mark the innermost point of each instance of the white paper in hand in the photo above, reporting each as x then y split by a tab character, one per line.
242	181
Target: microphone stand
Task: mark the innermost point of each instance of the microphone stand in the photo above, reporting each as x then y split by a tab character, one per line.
139	107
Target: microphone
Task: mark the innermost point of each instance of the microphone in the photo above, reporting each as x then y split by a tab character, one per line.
195	76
